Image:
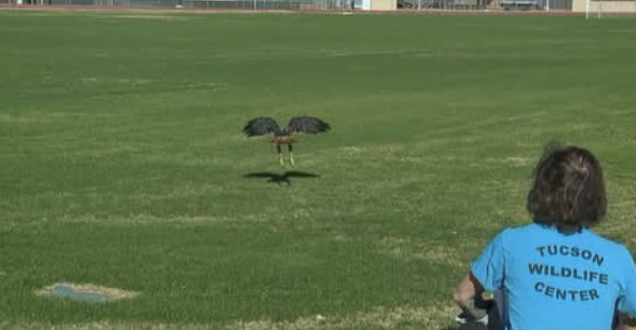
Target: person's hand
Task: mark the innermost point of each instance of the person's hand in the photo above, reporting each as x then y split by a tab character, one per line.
626	322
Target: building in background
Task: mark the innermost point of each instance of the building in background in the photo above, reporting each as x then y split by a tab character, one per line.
605	7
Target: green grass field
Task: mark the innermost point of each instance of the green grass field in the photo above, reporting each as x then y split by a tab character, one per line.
122	161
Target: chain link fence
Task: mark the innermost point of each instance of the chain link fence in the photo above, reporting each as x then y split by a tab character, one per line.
206	4
406	5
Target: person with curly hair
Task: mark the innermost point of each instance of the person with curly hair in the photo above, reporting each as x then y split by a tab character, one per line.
556	273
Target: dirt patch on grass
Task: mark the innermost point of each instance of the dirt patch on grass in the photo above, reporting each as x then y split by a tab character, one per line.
436	317
518	161
345	53
433	318
85	292
124	81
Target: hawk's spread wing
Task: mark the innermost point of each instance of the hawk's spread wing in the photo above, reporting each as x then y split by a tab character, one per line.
260	126
306	124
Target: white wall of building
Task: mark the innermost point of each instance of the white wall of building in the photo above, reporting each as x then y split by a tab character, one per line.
605	6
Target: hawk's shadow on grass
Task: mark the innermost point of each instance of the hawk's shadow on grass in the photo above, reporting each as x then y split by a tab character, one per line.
284	178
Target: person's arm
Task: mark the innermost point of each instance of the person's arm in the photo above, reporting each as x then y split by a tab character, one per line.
466	290
627	302
466	295
486	273
626	322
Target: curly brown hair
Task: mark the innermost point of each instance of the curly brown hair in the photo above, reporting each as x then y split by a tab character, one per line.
567	189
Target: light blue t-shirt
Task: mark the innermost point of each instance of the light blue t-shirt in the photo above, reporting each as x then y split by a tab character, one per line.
556	281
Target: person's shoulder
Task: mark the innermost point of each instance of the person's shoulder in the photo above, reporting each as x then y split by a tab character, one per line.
517	231
513	235
606	240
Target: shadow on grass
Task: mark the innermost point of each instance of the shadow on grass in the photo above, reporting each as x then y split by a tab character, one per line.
279	179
